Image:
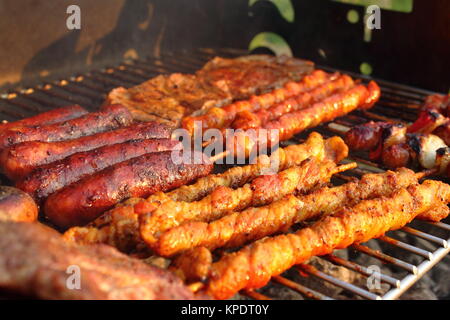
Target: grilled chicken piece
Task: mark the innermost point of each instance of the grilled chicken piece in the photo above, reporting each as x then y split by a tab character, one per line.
254	265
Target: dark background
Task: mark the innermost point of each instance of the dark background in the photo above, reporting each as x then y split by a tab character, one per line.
411	48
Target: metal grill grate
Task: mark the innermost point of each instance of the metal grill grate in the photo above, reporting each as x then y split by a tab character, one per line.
398	102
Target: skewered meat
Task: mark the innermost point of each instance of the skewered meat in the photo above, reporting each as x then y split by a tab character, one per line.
391	144
330	108
247	120
222	200
86	199
108	118
244	143
238	228
168	98
50	178
119	227
37	262
223	117
254	265
46	118
19	160
16	205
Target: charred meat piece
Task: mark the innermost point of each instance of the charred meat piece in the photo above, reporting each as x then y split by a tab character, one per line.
16	205
396	155
438	102
366	136
46	118
19	160
36	262
50	178
108	118
86	199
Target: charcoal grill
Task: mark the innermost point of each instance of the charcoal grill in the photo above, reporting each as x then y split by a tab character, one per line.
398	103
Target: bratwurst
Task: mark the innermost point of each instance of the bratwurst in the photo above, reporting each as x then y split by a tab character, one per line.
109	118
85	200
54	176
46	118
19	160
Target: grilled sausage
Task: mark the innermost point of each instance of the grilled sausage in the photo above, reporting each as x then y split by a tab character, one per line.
396	155
19	160
85	200
50	178
16	205
108	118
46	118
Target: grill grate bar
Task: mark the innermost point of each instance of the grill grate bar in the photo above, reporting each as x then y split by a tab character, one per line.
361	269
426	236
384	257
420	252
312	294
337	282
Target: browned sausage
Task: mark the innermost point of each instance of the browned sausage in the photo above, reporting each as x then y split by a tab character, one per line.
46	118
19	160
85	200
107	119
50	178
396	156
364	137
16	205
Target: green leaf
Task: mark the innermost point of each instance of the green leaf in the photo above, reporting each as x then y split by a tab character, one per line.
284	7
272	41
392	5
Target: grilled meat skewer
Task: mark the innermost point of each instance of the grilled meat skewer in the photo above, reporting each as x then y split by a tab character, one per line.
254	265
238	228
391	144
246	120
243	142
223	200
